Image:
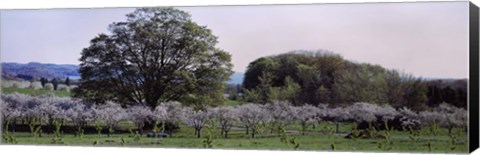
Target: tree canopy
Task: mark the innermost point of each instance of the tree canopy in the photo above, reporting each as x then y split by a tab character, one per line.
322	77
157	55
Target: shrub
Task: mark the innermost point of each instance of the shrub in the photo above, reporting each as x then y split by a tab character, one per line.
7	83
21	84
63	87
36	85
48	86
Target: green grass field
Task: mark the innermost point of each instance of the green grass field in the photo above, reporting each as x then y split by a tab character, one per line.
232	102
314	139
35	92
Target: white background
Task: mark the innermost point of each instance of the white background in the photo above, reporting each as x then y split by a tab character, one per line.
54	150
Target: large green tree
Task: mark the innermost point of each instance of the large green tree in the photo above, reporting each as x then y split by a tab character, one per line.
157	55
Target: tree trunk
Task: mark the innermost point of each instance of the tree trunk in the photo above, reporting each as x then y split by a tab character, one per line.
140	130
198	134
336	127
226	134
253	133
14	125
304	125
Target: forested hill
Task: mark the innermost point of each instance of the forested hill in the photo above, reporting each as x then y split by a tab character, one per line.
316	77
38	70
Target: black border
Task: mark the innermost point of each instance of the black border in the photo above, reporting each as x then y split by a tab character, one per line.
473	82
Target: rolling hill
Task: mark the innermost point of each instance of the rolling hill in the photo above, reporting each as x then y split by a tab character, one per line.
50	71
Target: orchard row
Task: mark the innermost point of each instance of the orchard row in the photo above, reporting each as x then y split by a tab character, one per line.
37	111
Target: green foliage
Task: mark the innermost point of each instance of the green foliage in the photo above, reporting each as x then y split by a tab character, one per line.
386	144
295	143
429	145
208	141
256	69
157	128
328	129
361	83
447	91
7	137
266	93
288	92
304	77
35	127
265	87
251	95
79	132
122	141
283	135
57	124
95	143
414	135
175	58
453	139
110	131
355	132
135	135
302	73
434	128
57	139
98	126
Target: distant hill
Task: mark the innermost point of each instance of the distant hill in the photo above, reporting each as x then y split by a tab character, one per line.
236	78
50	71
39	70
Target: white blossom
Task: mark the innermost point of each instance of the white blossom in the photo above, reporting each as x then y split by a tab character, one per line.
48	86
36	85
362	111
21	84
169	113
110	113
63	87
408	117
227	117
282	113
195	118
306	115
386	112
251	115
139	115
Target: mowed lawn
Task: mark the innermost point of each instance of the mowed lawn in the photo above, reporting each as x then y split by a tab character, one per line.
314	139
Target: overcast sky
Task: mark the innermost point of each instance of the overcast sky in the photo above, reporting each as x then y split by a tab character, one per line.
425	39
